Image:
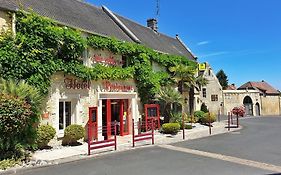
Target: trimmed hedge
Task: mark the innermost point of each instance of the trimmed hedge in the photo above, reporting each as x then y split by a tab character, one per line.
72	134
45	133
170	128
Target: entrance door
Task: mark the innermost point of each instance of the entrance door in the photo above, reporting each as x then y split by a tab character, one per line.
93	123
115	110
257	106
248	103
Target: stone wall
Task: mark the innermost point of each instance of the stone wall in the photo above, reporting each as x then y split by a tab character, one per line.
235	98
270	105
5	21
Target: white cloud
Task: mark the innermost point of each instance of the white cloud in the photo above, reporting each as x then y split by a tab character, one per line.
203	43
213	54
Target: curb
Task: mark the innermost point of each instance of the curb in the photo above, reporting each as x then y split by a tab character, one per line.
97	155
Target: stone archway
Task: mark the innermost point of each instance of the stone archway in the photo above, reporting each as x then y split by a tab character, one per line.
257	108
248	103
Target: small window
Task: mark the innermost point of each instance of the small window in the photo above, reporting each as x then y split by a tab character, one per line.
204	91
124	61
214	98
64	114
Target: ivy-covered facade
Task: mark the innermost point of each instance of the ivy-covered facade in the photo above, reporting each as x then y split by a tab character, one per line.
77	70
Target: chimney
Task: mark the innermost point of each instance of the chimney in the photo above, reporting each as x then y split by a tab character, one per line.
152	23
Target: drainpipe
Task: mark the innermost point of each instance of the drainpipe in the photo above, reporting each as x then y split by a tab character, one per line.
14	24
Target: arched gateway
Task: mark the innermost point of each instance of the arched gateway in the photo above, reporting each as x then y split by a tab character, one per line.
248	103
257	108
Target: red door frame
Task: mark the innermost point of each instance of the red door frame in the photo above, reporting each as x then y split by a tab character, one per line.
157	118
93	125
108	118
121	113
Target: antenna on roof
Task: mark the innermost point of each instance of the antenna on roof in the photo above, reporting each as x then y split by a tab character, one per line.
157	8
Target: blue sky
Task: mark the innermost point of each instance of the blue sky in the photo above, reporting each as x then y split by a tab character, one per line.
242	37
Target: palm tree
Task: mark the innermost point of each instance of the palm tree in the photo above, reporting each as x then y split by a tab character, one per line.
185	77
169	96
24	91
200	81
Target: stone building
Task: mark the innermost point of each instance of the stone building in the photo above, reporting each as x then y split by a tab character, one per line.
211	94
258	98
70	98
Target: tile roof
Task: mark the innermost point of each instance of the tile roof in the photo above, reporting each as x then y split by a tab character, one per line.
72	13
231	87
92	19
261	86
156	40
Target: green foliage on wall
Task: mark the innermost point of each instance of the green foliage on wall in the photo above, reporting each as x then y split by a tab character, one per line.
41	48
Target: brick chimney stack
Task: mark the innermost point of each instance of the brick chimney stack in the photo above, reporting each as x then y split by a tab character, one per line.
152	23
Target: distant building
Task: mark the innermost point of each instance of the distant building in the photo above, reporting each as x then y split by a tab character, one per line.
258	98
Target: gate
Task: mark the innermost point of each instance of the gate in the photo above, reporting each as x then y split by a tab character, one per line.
231	122
152	114
142	136
93	131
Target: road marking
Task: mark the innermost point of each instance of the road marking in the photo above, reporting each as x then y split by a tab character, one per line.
236	160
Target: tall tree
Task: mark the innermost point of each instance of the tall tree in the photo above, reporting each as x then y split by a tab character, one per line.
185	77
222	77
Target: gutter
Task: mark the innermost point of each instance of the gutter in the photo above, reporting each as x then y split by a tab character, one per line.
121	24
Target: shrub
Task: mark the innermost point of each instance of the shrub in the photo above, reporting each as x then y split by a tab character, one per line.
199	115
15	118
170	128
205	119
192	119
175	118
45	133
72	134
20	106
188	126
204	108
8	163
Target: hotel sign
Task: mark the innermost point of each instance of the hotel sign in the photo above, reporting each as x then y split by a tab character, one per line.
72	83
105	57
202	66
106	60
116	87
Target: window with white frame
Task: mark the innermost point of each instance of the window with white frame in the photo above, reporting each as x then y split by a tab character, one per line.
64	114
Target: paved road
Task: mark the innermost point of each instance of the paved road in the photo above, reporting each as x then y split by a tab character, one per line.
259	141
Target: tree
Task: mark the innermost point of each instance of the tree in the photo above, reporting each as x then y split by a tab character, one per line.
185	77
222	77
169	96
20	107
199	82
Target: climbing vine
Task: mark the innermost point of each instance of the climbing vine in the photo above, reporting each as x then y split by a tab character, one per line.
41	48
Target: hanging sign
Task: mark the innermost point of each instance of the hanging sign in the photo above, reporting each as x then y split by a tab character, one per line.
202	66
